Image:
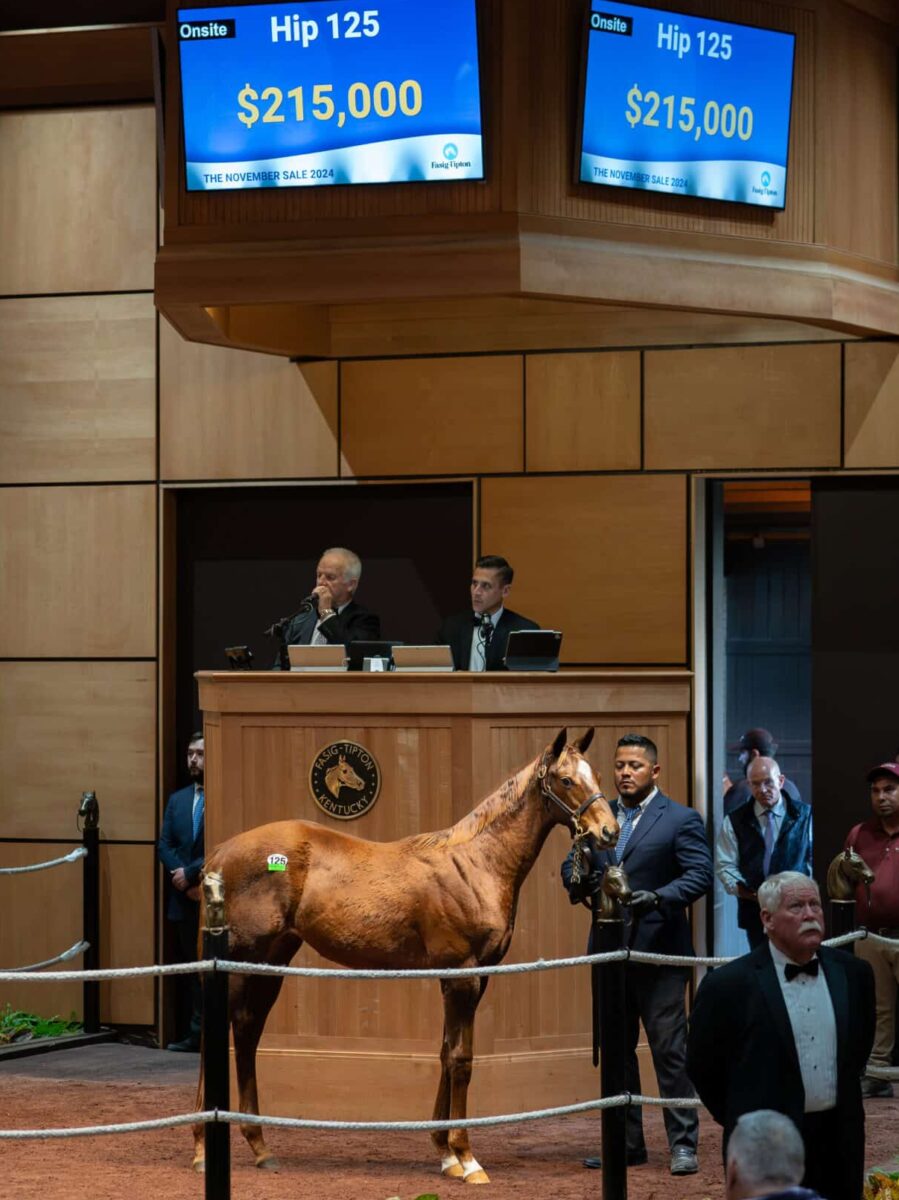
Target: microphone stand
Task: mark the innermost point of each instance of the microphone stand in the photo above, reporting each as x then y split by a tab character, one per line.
278	629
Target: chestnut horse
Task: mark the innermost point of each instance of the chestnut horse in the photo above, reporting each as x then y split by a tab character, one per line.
445	899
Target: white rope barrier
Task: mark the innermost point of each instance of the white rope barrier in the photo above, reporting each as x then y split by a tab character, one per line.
205	966
42	866
72	952
212	1116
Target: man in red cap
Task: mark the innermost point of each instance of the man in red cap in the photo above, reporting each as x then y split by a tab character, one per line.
877	842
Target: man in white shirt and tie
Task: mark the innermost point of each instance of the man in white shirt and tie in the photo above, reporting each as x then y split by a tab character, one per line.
479	635
768	834
789	1026
181	851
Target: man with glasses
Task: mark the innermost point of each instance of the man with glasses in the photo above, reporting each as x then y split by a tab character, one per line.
769	834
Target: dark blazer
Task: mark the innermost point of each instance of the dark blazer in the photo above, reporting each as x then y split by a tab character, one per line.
668	853
456	632
741	1053
177	847
354	624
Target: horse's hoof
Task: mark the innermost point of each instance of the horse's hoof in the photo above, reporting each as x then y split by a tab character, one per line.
452	1170
269	1163
199	1165
479	1176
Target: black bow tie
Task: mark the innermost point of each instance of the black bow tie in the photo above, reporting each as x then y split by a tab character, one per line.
791	970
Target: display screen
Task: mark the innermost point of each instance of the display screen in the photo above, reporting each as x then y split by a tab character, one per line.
686	105
330	92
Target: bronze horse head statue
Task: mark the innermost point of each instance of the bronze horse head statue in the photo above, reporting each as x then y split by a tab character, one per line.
846	871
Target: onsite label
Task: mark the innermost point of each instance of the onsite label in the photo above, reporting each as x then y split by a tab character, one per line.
277	862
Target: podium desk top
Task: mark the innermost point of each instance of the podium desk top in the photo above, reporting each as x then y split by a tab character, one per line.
569	691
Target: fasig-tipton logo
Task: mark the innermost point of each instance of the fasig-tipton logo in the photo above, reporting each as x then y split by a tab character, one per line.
204	31
345	780
611	23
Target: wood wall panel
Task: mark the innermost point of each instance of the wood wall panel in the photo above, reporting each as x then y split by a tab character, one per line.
871	427
78	186
601	558
66	728
233	414
583	412
857	137
43	916
77	389
79	572
432	416
742	407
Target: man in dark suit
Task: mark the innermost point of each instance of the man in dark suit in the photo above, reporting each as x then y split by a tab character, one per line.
335	616
755	743
789	1026
665	853
181	851
478	636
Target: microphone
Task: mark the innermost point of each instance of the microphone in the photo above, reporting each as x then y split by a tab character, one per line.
278	627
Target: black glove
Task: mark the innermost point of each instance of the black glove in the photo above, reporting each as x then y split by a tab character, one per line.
644	902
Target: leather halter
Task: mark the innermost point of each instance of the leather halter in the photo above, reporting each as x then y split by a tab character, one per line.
572	815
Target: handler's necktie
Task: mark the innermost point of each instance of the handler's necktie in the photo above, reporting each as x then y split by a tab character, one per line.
199	805
626	828
769	842
791	970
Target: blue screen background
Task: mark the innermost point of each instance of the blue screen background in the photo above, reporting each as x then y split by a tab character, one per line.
758	74
434	42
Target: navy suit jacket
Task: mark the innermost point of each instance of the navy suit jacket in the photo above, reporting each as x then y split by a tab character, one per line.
354	624
456	632
177	847
667	853
741	1053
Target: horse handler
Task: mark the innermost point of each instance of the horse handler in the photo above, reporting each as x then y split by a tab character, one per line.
663	848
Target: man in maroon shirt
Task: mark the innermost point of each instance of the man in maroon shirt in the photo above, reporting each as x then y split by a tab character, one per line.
877	841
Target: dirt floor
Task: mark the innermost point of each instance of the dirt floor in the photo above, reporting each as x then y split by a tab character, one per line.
109	1083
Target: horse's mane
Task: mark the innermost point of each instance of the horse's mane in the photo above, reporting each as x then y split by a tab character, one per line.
505	801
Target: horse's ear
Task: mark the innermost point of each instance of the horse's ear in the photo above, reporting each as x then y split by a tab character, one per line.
583	743
559	744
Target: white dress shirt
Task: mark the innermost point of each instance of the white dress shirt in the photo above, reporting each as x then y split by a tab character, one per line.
814	1025
477	658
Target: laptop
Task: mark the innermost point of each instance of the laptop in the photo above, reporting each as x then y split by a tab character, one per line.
317	658
533	650
359	651
423	658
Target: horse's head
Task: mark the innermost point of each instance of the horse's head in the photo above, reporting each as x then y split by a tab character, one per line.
571	789
342	775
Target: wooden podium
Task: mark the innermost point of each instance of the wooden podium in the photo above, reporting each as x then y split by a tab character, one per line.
367	1050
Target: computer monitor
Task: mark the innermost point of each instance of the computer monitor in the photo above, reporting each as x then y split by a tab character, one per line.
533	650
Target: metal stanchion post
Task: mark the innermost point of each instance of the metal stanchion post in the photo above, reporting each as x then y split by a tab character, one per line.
608	935
842	920
216	1081
89	814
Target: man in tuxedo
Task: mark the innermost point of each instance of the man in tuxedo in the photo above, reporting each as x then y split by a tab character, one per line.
770	835
789	1026
478	636
663	848
335	615
181	852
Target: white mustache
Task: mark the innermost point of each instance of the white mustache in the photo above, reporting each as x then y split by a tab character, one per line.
810	924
